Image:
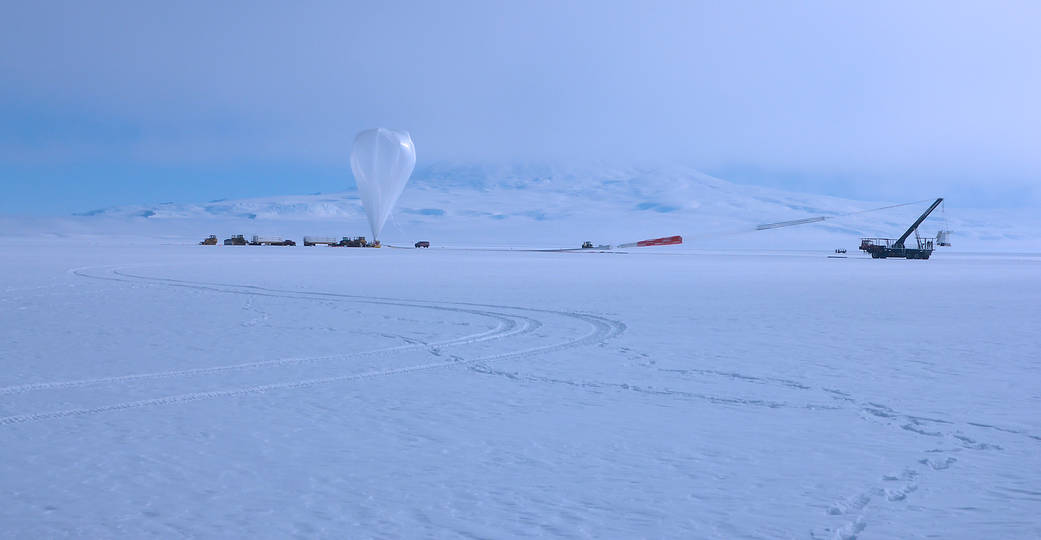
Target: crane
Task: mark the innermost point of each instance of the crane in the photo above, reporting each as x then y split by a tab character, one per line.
881	248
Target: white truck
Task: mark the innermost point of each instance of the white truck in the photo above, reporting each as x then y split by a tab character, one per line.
270	241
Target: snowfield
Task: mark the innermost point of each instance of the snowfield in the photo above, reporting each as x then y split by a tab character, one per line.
176	390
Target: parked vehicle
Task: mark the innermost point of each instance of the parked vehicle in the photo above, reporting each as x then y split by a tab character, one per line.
884	248
210	240
422	244
270	241
356	241
235	240
315	240
351	241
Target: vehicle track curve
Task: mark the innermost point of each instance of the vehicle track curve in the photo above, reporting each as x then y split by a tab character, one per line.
511	321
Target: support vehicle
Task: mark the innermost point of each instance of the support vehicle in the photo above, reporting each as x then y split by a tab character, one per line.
270	241
883	248
316	240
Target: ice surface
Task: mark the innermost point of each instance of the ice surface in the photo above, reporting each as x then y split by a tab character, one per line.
172	390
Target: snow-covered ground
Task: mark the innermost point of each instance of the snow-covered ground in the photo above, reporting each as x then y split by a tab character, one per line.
741	385
174	390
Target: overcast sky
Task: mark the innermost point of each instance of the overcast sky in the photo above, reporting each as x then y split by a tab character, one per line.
119	102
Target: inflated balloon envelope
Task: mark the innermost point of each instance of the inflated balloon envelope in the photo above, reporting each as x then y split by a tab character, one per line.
382	160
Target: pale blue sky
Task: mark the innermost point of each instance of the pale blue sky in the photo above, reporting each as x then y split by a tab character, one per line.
106	103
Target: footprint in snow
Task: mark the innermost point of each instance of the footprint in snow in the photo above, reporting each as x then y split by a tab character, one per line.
851	504
938	464
969	442
906	474
900	493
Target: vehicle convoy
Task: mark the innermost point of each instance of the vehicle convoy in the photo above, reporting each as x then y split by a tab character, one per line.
316	240
882	248
270	241
422	244
210	240
235	240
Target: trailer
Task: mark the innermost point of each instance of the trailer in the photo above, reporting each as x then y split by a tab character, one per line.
270	241
320	240
884	248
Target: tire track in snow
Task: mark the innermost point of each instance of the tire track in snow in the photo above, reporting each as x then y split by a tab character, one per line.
507	326
626	387
601	328
496	333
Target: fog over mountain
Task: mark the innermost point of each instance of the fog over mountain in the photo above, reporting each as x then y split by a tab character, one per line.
118	102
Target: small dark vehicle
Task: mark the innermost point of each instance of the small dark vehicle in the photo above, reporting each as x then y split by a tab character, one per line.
352	241
235	240
422	244
840	250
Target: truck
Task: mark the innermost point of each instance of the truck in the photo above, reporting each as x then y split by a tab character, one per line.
351	241
316	240
270	241
884	248
356	241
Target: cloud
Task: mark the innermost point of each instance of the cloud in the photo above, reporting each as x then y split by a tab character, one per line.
871	95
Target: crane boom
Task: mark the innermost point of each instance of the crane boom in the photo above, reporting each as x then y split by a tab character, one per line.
900	242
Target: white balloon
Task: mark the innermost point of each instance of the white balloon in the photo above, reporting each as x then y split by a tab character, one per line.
382	160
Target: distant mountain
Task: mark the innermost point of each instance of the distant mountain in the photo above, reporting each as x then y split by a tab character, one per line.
339	205
542	204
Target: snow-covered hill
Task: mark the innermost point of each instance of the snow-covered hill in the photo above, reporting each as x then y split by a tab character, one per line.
545	205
